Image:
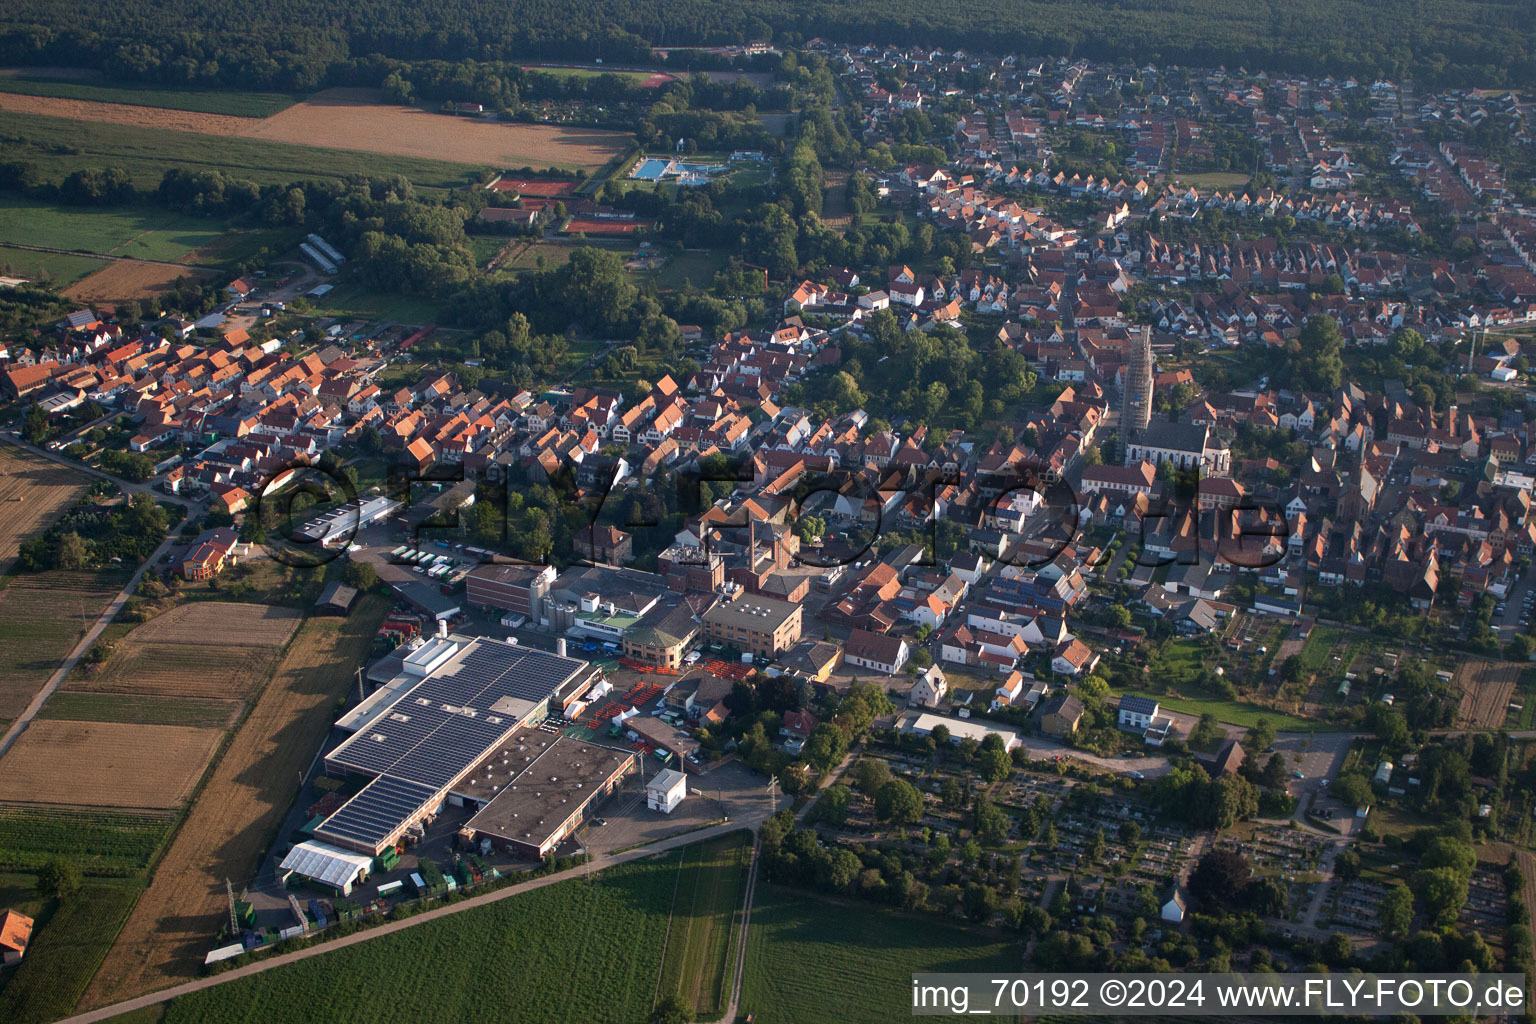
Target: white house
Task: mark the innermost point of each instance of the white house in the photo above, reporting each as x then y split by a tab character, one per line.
876	651
929	688
666	790
1137	713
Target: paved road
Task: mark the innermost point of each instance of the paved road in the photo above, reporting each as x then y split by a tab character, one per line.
597	864
20	725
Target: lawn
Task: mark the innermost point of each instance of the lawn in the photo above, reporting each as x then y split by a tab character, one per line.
238	104
1236	712
700	935
351	298
58	146
582	950
141	232
1212	179
697	268
633	76
68	944
810	961
58	269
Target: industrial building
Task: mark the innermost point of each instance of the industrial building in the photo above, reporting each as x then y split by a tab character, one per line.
756	625
457	704
519	589
664	792
340	524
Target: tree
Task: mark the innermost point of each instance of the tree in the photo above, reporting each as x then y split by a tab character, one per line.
672	1010
1206	733
991	822
1396	912
1443	891
1346	866
59	878
869	774
899	802
361	575
1218	880
826	747
995	764
1262	735
72	551
832	806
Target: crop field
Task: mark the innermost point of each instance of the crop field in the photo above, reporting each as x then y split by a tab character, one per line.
60	145
32	491
701	932
101	842
239	808
810	961
132	231
122	280
176	670
575	951
42	617
1486	688
56	268
141	709
354	119
66	948
238	104
232	623
105	764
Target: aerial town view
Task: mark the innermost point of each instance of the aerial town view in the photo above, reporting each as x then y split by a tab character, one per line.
786	512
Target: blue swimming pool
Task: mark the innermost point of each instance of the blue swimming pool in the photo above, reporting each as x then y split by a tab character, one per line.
649	170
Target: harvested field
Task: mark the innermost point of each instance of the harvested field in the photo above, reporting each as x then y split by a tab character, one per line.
355	119
122	280
238	810
177	670
32	491
228	623
42	617
106	764
1485	688
140	709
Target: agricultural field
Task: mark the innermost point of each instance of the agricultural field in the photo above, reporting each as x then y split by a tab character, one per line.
138	232
170	655
141	709
811	961
67	945
42	618
239	808
702	932
475	965
238	104
103	843
59	145
106	764
56	268
121	280
1486	688
32	491
355	119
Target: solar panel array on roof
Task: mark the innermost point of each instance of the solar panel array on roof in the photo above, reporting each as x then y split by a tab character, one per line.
377	810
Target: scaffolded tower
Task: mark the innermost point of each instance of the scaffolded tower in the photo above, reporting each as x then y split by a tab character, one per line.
1136	402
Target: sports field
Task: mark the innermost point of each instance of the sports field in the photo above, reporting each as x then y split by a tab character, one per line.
811	961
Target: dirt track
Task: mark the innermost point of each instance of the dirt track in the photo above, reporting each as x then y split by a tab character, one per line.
355	119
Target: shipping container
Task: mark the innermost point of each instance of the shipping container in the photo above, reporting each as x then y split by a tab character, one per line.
391	888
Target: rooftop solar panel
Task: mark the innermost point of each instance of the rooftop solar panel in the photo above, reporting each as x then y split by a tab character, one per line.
377	810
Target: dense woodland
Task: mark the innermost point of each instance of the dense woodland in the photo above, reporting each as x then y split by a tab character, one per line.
302	44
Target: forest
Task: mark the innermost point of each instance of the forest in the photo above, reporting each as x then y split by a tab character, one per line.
298	45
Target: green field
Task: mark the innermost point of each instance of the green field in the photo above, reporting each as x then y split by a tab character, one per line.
238	104
1236	712
57	146
633	76
700	937
68	945
814	962
139	709
351	298
136	231
1212	179
582	950
105	843
59	269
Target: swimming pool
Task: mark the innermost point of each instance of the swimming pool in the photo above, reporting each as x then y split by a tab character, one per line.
650	170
